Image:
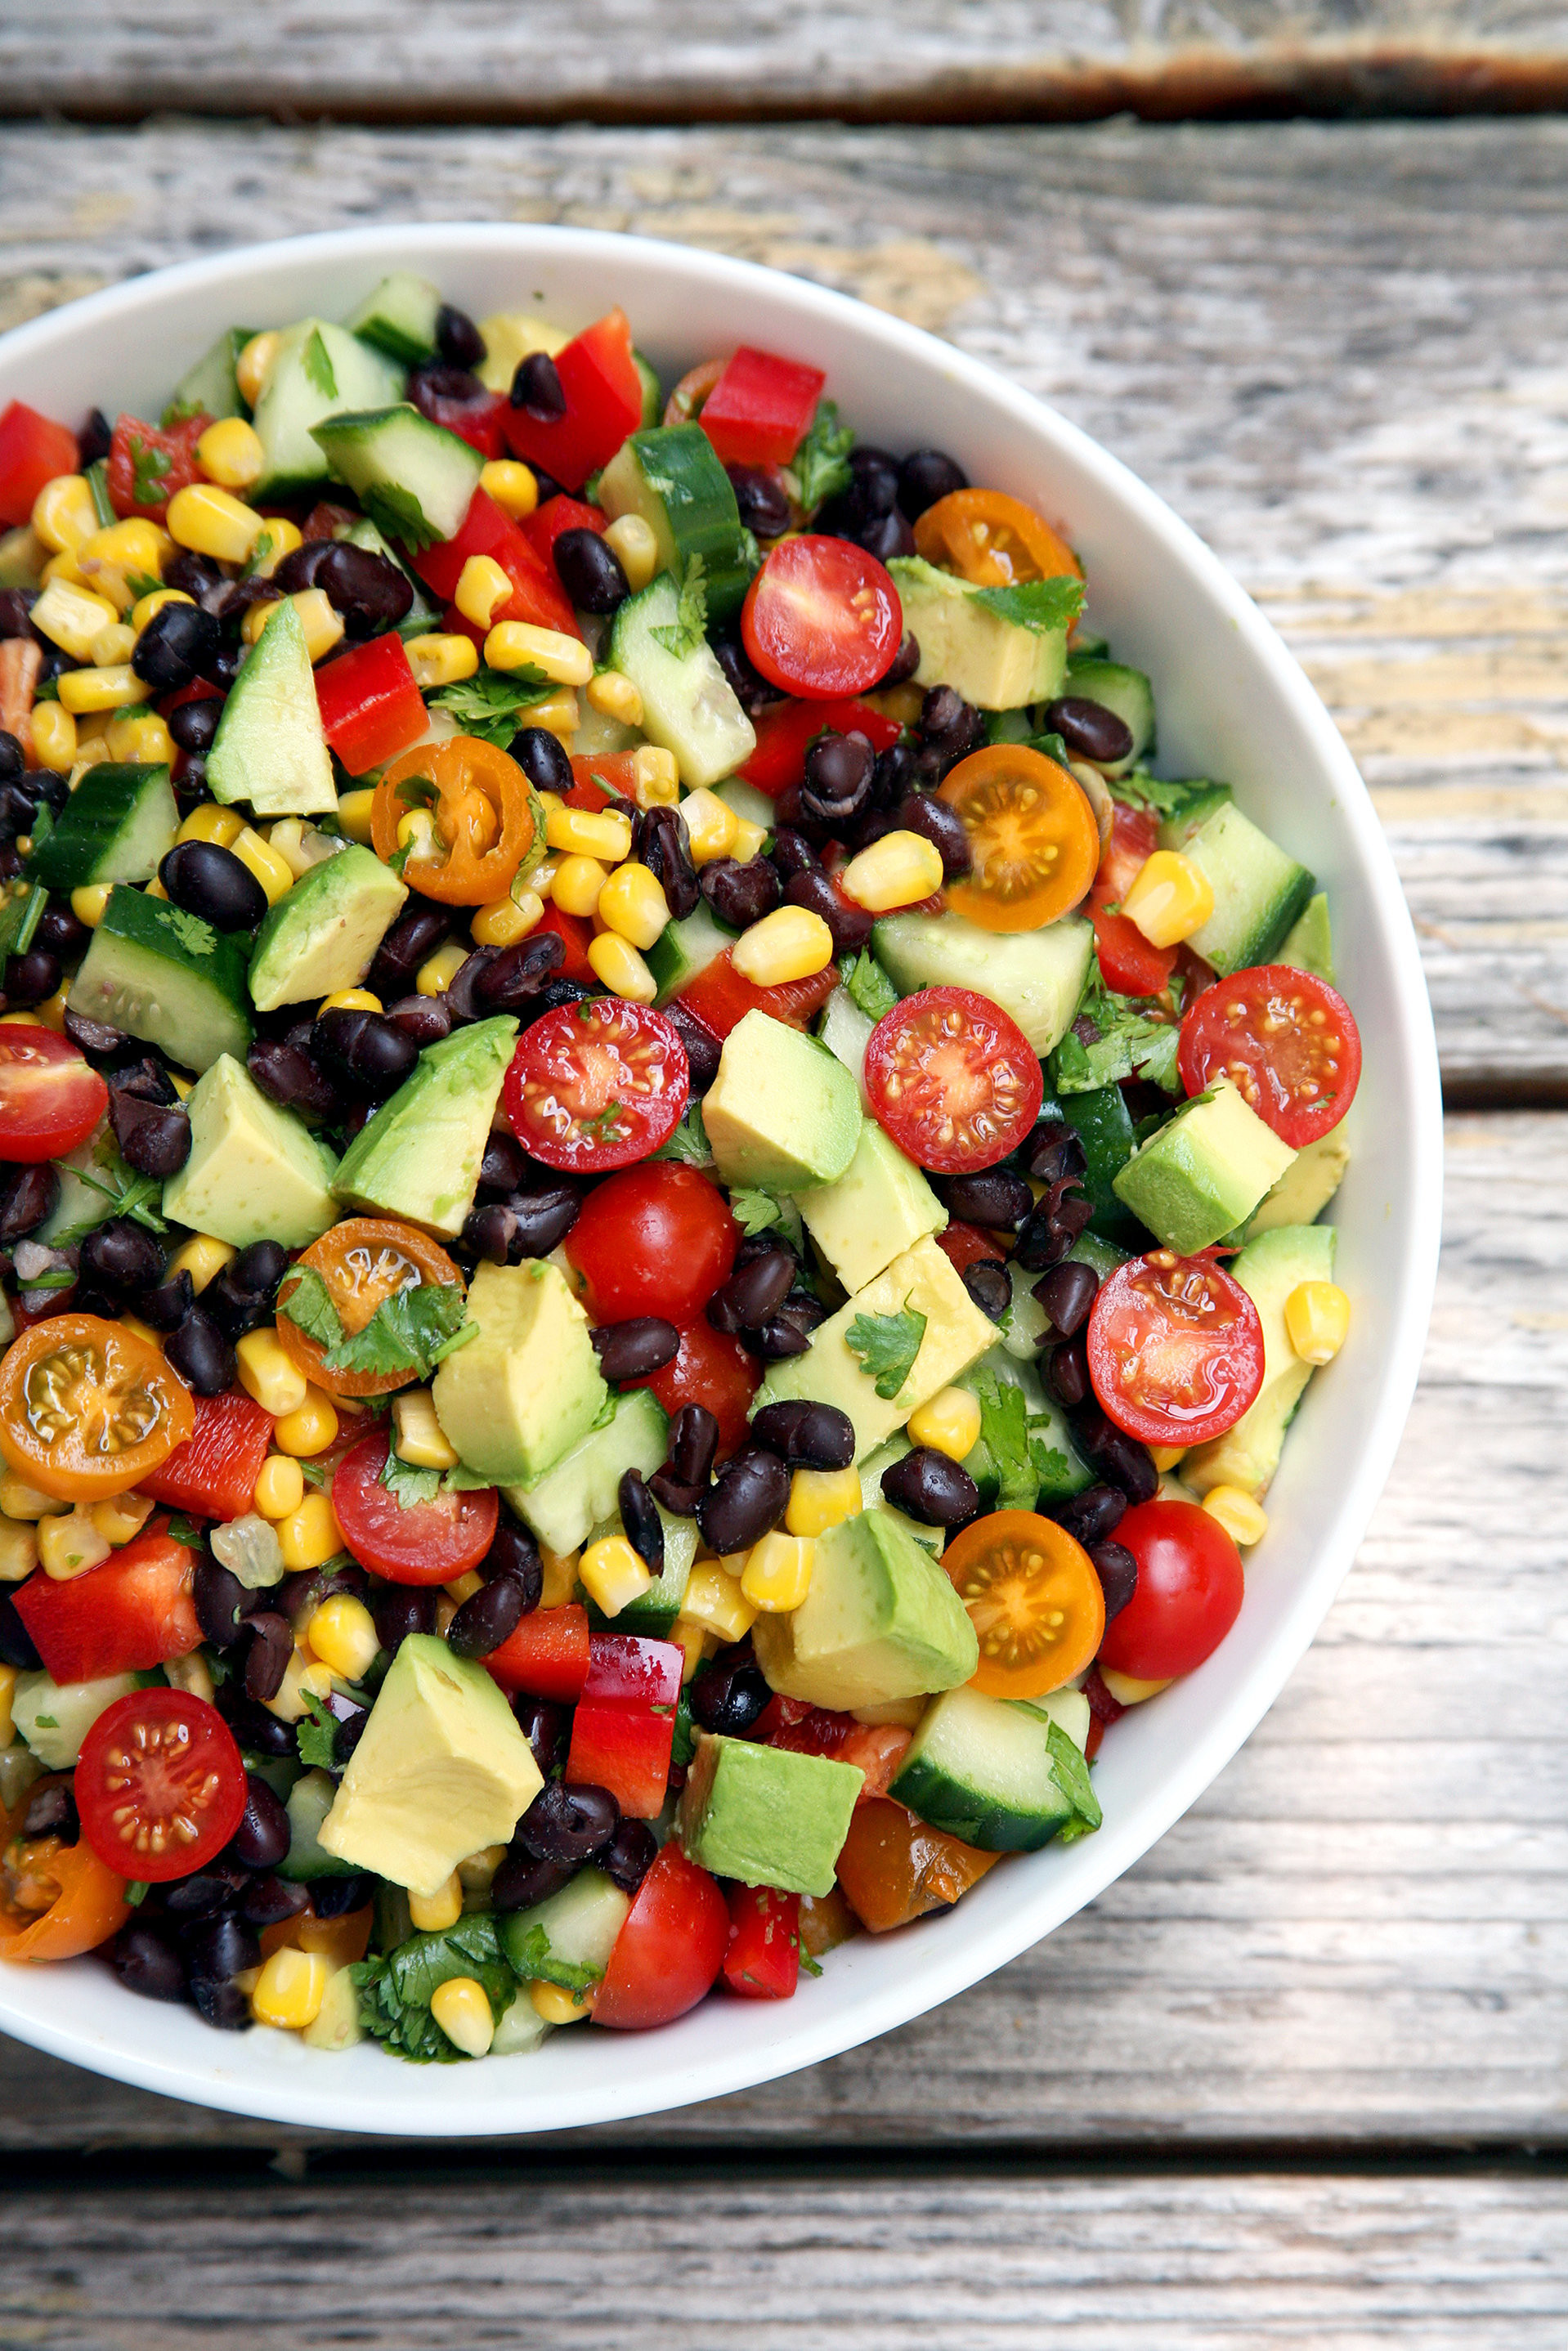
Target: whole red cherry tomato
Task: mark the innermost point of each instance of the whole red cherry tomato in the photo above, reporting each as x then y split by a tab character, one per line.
655	1240
1189	1597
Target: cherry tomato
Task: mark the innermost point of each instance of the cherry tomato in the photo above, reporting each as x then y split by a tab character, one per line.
148	463
1127	961
876	1749
1175	1349
485	815
952	1080
821	618
131	1612
993	539
1033	1598
597	1085
894	1867
422	1542
51	1097
159	1785
670	1948
1287	1040
690	395
714	1370
1033	841
1189	1597
87	1408
214	1472
363	1261
55	1900
655	1240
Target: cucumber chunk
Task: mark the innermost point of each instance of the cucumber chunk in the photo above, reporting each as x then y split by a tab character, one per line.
580	1488
1258	891
320	371
654	1611
1126	691
310	1800
671	477
163	975
399	316
1036	977
566	1939
684	949
413	478
210	388
688	705
1005	1777
115	827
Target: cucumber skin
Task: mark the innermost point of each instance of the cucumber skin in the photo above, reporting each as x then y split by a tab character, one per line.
671	474
449	468
116	826
139	935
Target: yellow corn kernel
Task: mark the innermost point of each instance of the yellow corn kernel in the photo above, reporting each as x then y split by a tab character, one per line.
304	1677
483	587
1169	898
416	833
633	903
418	1437
51	1013
519	644
557	714
279	1486
64	514
113	645
748	839
287	837
820	1498
20	1500
202	1256
711	826
348	999
309	1428
148	607
512	485
258	616
442	659
655	779
280	538
899	870
266	1374
1244	1518
559	1576
88	901
696	1643
949	1423
290	1988
71	617
256	363
1128	1690
101	689
555	2004
777	1572
636	549
134	545
214	522
589	832
19	1550
122	1516
1166	1457
464	1587
270	870
436	976
230	452
1317	1317
309	1536
576	884
223	826
342	1633
69	1545
143	739
320	619
791	943
504	921
616	962
54	736
612	1574
354	814
7	1692
463	2011
615	696
432	1912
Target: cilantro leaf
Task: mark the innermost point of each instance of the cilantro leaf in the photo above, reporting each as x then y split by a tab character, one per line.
394	1991
316	363
689	627
1124	1038
887	1345
869	985
536	1963
1004	1433
689	1142
317	1733
487	703
149	463
397	513
310	1307
137	1888
755	1211
197	938
1043	605
410	1332
821	464
180	1530
412	1485
1071	1772
131	1195
102	503
142	583
1167	795
684	1744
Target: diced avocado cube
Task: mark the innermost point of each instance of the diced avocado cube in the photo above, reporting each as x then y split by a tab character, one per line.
881	1205
323	935
441	1769
271	747
256	1172
163	974
420	1156
765	1814
782	1112
1268	1269
995	663
1204	1172
54	1718
1305	1188
956	1334
1308	945
568	1498
518	1396
880	1622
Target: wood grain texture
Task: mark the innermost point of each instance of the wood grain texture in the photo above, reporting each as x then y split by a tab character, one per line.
1335	351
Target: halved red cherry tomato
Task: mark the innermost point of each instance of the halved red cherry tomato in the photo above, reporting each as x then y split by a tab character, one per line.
763	1959
993	539
721	998
1033	841
1286	1040
51	1097
670	1948
87	1408
148	463
821	618
215	1469
1189	1594
363	1261
160	1786
547	1655
131	1612
597	1085
1033	1598
420	1542
1175	1349
655	1240
713	1369
55	1900
485	818
1127	961
952	1080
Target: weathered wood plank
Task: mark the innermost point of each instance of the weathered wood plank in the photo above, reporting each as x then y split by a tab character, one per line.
1335	351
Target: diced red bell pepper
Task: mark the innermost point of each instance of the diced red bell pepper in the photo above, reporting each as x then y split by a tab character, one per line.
763	1958
625	1748
34	450
125	1616
546	524
760	410
1128	963
603	394
547	1656
966	1245
574	931
477	421
720	997
148	463
670	1948
627	1669
537	594
371	707
784	733
214	1472
598	782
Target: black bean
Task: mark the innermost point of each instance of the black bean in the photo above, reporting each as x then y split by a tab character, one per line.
754	1293
289	1075
679	1499
457	338
502	1168
261	1839
751	689
29	1194
95	439
234	1310
762	499
693	1441
1090	730
122	1255
1067	1293
850	925
888	538
299	567
995	1198
740	894
932	1488
176	644
814	1436
792	853
923	813
568	1821
166	1307
194	724
904	662
206	1891
659	842
370	1050
589	571
537	388
556	992
1056	1153
267	1901
643	1528
426	1019
213	883
350	1729
222	2005
434	384
487	1618
703	1047
1066	1372
1115	1456
158	1142
63	935
988	1284
16	604
515	1553
400	1610
1118	1572
31	978
146	1964
1048	1233
545	1217
411	941
523	1879
16	1642
257	1732
786	1333
542	758
52	1812
518	972
926	476
340	1897
490	1231
838	777
299	1595
266	1658
730	1697
747	1501
1090	1517
629	1855
144	1081
546	1726
371	591
630	1350
222	1602
220	1948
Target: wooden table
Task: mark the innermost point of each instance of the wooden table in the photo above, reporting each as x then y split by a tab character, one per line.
1297	2080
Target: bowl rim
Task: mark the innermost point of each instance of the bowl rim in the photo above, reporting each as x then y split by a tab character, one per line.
424	2108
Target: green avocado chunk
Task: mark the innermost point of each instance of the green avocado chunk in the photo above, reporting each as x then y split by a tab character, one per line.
270	747
782	1112
880	1622
420	1156
995	663
1305	1188
518	1396
880	1207
565	1501
1268	1269
323	935
765	1814
1204	1172
256	1172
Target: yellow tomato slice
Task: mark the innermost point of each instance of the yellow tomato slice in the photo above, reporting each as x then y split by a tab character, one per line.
1034	1601
1034	845
87	1409
995	540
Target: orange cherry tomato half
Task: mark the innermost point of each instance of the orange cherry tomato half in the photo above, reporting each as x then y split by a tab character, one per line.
159	1785
1033	1598
1033	841
87	1408
485	813
1175	1349
993	539
57	1900
894	1867
822	618
51	1097
363	1261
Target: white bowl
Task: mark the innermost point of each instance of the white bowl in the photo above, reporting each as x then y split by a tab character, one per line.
1232	703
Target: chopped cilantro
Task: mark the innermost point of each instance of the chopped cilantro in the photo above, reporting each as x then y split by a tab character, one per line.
1022	1464
488	704
821	464
1167	795
395	1991
689	627
131	1195
538	1964
149	464
412	1485
757	1211
887	1345
47	1721
397	513
1042	605
137	1888
413	1331
1126	1039
317	1734
181	1530
316	361
197	938
869	985
689	1142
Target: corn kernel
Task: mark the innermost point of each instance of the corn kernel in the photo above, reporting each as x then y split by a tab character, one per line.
309	1428
511	485
711	825
418	1437
519	644
122	1516
438	973
88	901
20	1500
279	1486
633	903
211	521
1169	898
949	1423
304	1678
354	814
559	1569
7	1692
69	1545
555	2005
101	689
558	715
54	736
191	1674
280	539
256	363
612	1574
589	832
615	696
342	1633
287	837
636	549
64	514
113	645
71	617
1128	1690
320	619
266	1374
1317	1317
791	943
210	822
147	607
290	1988
820	1498
777	1573
432	1912
19	1550
655	779
202	1256
1166	1457
348	999
696	1643
309	1536
576	884
464	1587
230	452
461	2009
617	964
270	870
51	1013
504	921
1244	1518
899	870
483	588
142	739
749	838
442	660
136	544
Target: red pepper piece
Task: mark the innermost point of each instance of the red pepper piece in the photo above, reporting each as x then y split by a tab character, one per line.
762	1961
547	1656
627	1669
602	781
537	596
966	1245
34	449
760	410
546	524
574	932
371	707
783	734
720	997
129	1613
625	1748
214	1472
475	420
603	396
